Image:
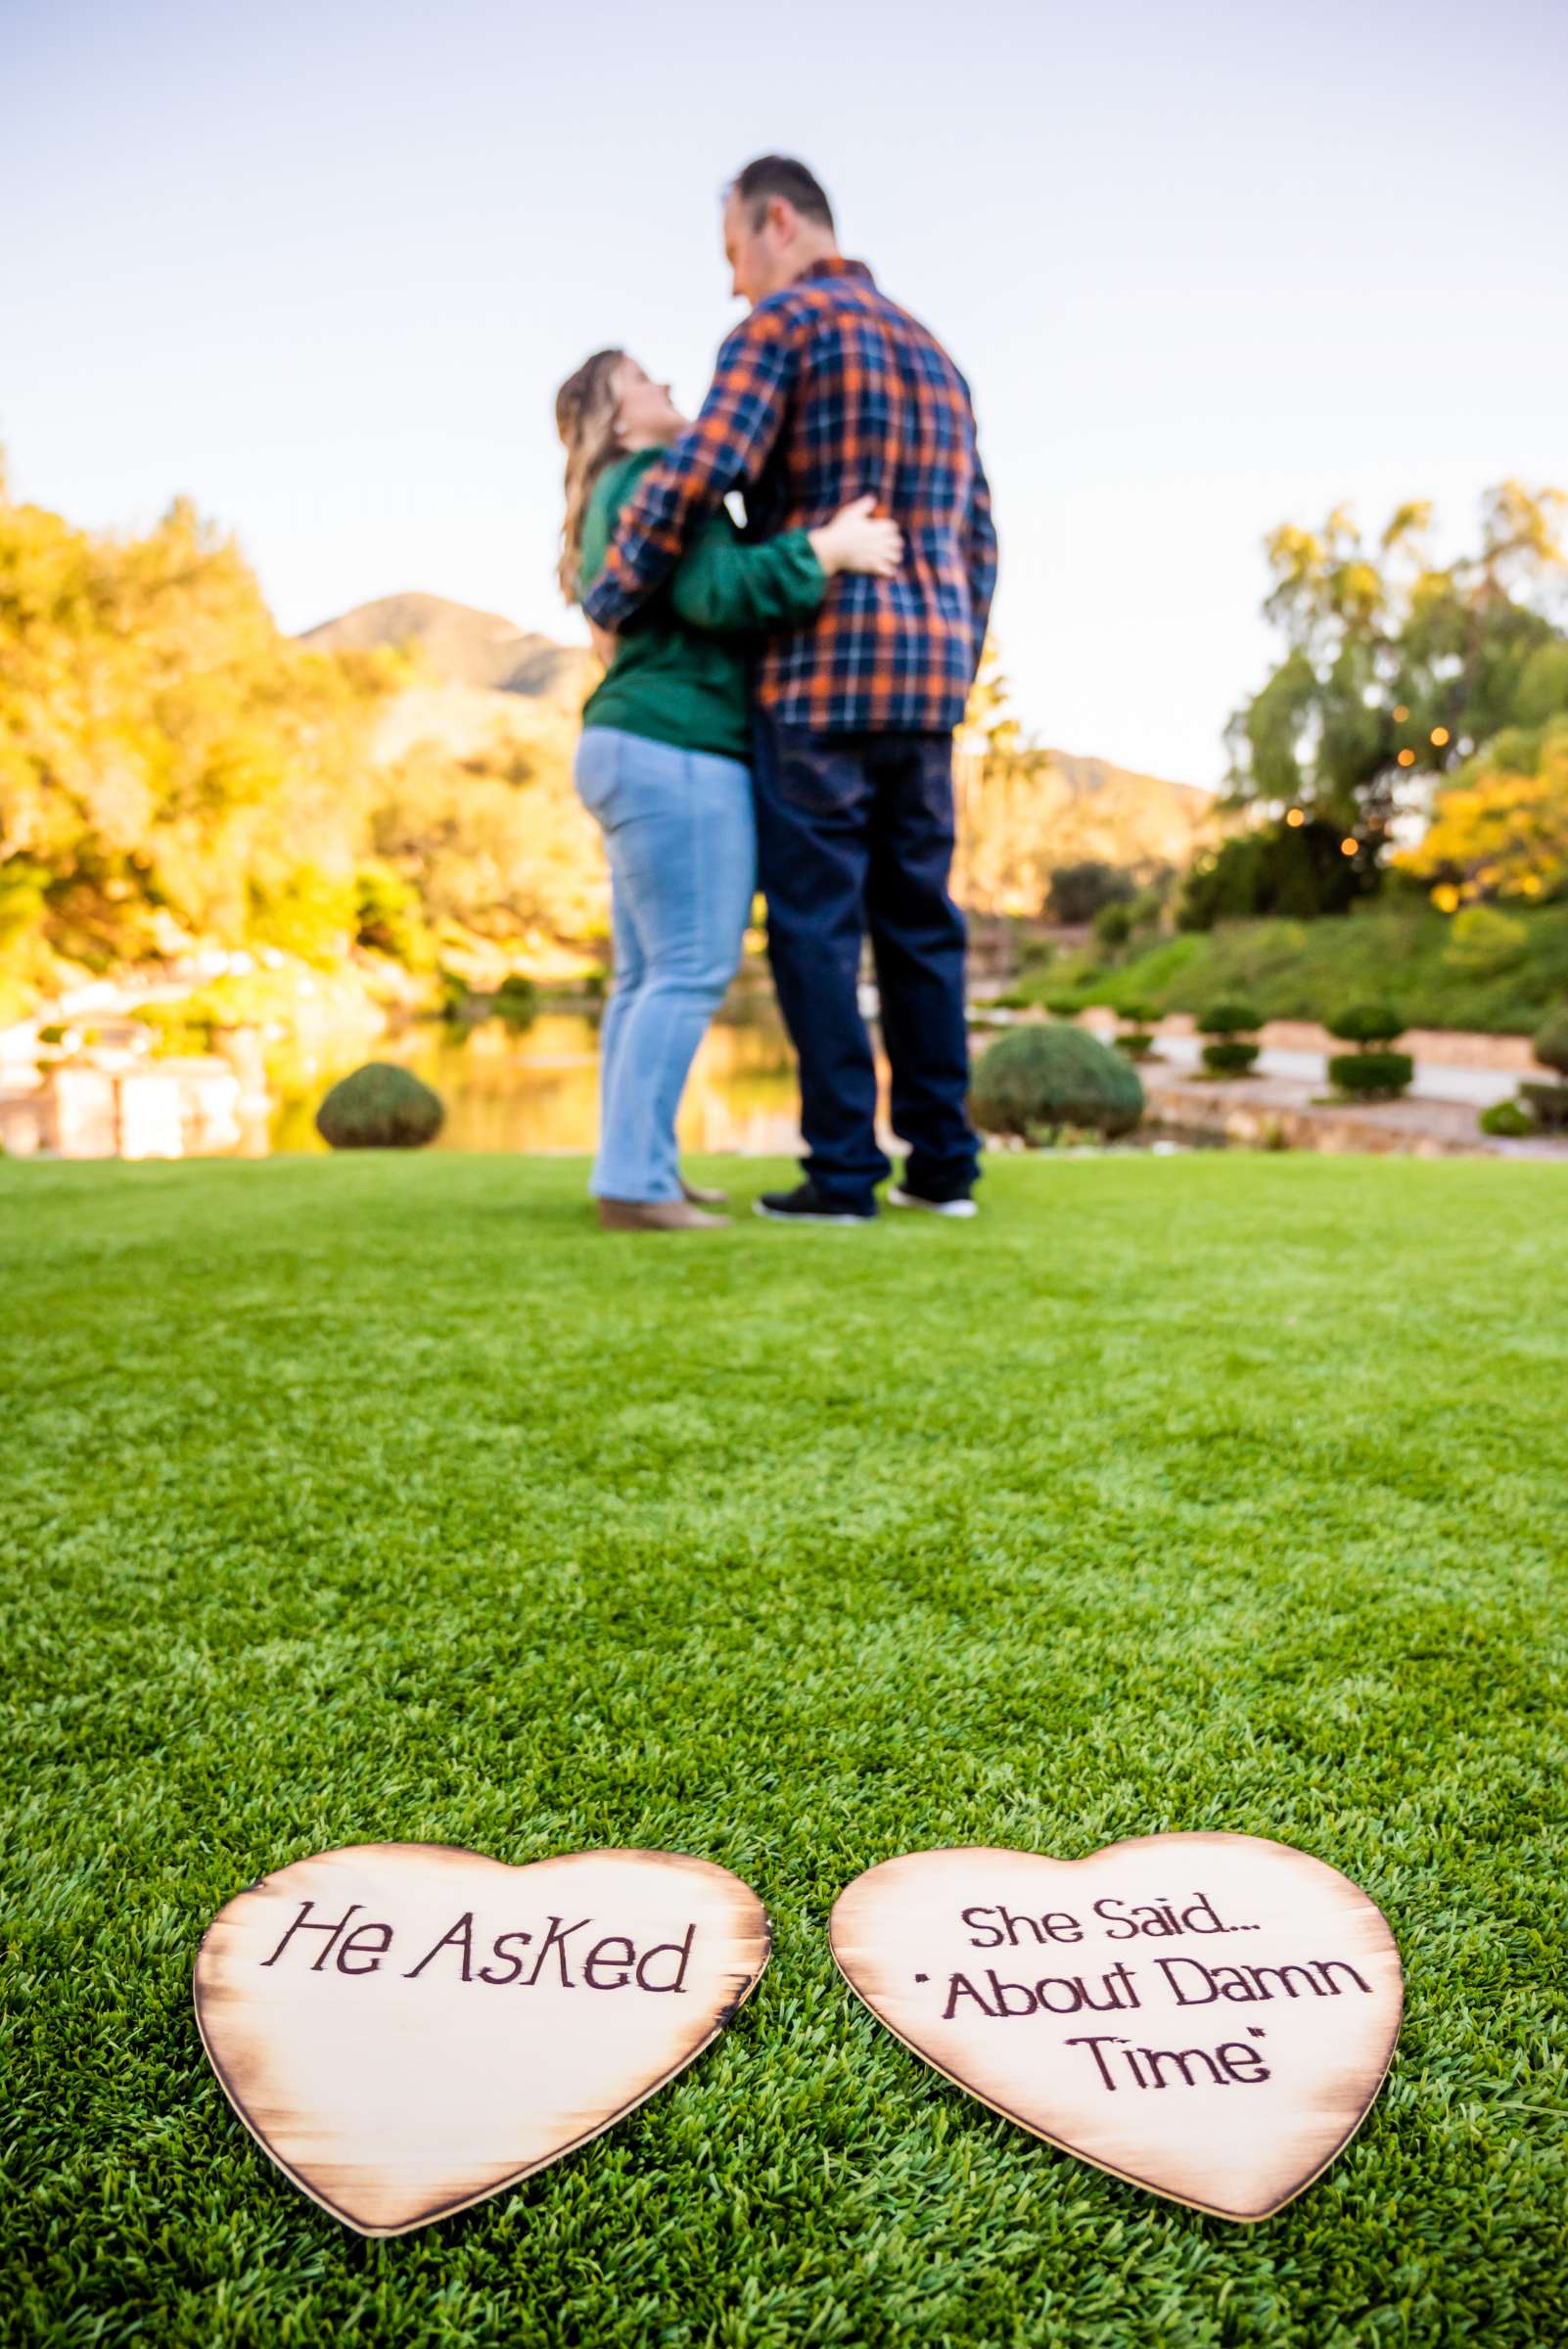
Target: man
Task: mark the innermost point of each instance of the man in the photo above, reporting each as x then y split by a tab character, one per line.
827	389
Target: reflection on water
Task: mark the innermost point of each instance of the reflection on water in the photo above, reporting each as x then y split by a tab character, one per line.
536	1089
518	1091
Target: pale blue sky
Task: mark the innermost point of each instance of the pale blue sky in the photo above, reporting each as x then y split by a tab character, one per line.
1207	267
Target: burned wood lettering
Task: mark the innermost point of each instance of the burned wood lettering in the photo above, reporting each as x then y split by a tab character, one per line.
406	2028
611	1963
1183	1981
1126	2025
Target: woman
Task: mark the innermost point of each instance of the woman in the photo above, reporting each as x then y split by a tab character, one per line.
662	768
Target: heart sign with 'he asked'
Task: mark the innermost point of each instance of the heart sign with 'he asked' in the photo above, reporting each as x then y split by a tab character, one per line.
406	2028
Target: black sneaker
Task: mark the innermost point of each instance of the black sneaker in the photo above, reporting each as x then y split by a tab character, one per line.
805	1203
950	1203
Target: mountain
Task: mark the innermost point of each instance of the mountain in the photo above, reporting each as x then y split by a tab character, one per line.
1144	819
474	800
495	709
464	647
1019	818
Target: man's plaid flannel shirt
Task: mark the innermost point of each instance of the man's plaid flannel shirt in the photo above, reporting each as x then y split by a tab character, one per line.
826	391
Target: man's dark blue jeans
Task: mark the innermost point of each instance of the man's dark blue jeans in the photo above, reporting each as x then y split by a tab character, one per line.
855	833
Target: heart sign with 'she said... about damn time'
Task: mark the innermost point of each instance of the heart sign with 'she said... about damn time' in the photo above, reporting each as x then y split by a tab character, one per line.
408	2028
1209	2016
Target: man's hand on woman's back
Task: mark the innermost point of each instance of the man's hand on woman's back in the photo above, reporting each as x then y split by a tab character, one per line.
858	538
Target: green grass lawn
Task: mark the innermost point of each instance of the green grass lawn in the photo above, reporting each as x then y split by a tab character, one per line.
378	1497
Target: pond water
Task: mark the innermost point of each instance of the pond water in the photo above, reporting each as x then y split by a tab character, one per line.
519	1090
535	1088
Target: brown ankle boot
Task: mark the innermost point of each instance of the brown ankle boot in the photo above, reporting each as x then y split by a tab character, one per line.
655	1214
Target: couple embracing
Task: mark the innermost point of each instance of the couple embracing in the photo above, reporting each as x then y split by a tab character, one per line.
777	711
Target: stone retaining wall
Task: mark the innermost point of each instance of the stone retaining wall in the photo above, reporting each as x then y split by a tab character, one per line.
1274	1117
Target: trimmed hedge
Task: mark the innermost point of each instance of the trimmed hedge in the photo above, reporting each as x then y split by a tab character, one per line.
1135	1037
517	1000
1375	1076
1550	1043
1508	1118
1229	1017
1366	1024
1034	1080
380	1107
1229	1056
1548	1105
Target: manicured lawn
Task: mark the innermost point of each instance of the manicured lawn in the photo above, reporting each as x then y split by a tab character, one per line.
362	1498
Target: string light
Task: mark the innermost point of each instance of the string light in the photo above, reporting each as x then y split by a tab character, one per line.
1295	820
1440	735
1348	847
1407	758
1401	715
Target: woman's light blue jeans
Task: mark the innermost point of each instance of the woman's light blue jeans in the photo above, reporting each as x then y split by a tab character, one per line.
682	840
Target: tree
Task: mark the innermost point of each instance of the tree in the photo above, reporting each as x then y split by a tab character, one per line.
1023	811
1296	871
993	767
1501	827
1396	667
1079	892
171	766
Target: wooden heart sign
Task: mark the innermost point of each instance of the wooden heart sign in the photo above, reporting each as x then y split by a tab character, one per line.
406	2028
1209	2016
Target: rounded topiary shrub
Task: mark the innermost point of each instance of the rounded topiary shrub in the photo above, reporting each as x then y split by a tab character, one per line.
517	1000
1375	1076
1548	1104
1366	1024
380	1107
1229	1056
1135	1035
1551	1041
1232	1017
1506	1117
1036	1079
1226	1024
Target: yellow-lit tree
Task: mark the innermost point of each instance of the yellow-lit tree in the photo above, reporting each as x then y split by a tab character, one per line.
993	769
1501	828
1398	666
171	766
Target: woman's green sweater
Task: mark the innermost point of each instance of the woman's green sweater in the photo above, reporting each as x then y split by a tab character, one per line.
682	673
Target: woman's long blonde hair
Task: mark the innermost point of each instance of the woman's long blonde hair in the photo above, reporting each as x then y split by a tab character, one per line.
585	413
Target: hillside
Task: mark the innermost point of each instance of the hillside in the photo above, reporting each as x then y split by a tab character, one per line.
182	777
1120	816
462	646
1020	818
492	691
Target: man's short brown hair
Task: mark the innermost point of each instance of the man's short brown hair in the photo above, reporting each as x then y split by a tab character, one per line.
780	175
